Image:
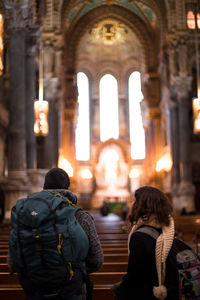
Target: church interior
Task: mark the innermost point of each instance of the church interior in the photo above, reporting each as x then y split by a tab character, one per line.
108	90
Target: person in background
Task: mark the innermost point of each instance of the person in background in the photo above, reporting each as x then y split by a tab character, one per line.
104	209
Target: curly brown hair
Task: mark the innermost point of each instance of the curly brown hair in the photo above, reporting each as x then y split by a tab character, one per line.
151	201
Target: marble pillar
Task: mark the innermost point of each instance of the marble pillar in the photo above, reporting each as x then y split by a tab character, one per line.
181	87
51	140
124	119
69	118
16	136
16	185
174	136
154	142
32	35
95	119
68	136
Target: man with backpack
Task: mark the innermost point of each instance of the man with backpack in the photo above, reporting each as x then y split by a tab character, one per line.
53	245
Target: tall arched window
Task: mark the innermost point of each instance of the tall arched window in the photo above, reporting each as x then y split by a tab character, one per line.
83	126
137	136
1	44
109	118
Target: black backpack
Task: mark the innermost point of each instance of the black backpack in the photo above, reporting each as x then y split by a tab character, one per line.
188	266
47	245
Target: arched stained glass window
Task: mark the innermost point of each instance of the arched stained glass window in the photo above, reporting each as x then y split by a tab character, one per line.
109	118
198	21
137	136
83	126
191	20
1	44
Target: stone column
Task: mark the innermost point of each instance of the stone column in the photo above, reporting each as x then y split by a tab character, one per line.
124	119
94	120
151	92
69	119
174	136
51	140
155	141
19	16
181	86
32	35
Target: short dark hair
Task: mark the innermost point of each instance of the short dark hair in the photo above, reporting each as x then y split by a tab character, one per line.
151	201
56	178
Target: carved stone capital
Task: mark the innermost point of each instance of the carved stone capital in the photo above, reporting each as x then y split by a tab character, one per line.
19	13
151	88
181	86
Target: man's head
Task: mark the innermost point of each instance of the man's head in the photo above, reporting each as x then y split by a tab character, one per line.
56	178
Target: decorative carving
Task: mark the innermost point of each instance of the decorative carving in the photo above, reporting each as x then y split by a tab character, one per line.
151	88
178	57
19	13
181	86
123	15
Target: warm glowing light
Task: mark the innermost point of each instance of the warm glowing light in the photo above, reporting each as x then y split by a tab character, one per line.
1	44
137	135
111	164
196	114
109	120
197	124
41	109
64	164
86	174
134	173
164	163
83	124
191	20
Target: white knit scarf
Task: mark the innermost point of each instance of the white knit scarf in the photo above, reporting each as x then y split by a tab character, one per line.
163	246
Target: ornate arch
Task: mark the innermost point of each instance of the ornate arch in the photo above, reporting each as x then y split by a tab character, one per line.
119	143
144	34
159	8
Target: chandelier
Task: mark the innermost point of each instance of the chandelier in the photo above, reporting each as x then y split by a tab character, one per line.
41	107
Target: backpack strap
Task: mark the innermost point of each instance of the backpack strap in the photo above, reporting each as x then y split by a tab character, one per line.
150	231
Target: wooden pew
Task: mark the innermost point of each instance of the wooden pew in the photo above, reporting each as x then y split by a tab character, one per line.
106	277
114	267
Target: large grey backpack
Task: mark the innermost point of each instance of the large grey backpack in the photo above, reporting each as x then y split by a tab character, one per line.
47	245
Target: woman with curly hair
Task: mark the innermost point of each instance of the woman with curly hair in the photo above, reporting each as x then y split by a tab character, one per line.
151	272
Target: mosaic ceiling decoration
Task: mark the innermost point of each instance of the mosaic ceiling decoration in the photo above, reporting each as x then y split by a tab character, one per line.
109	40
139	8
